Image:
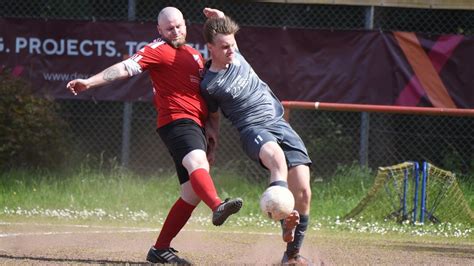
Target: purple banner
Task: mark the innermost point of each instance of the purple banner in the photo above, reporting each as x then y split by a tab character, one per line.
368	67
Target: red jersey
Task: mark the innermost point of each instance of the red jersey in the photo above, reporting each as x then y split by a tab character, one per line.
175	74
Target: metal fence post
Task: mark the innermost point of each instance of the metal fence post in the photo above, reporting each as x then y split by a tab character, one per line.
126	133
364	117
127	108
131	10
364	139
369	18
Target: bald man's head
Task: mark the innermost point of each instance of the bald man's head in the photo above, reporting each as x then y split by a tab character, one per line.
168	13
171	26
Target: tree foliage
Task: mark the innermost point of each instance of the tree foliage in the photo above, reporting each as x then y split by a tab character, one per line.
32	134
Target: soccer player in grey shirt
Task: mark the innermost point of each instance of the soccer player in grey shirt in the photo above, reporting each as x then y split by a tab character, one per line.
230	84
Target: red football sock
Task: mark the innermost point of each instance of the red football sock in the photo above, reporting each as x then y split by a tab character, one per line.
176	219
204	187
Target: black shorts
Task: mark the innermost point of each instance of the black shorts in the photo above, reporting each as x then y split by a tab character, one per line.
181	137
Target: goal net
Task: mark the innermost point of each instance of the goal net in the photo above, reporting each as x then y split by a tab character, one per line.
408	192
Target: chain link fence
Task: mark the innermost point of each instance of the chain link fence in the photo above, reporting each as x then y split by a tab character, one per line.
380	139
124	133
251	13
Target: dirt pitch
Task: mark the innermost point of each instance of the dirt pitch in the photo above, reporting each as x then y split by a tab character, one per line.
40	244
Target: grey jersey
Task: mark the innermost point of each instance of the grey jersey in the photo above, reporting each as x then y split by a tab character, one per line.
241	95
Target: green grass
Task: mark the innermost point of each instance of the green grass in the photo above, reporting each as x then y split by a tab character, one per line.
117	191
116	196
342	192
86	190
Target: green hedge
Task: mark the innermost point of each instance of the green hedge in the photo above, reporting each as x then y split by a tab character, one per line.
32	134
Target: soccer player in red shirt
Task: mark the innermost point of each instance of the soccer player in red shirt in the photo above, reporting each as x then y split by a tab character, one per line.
175	70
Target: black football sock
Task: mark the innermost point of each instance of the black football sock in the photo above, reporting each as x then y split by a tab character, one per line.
280	183
294	247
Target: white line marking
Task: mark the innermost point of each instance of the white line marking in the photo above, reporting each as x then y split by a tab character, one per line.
118	229
71	233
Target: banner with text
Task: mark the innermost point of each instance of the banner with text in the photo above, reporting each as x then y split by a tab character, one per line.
372	67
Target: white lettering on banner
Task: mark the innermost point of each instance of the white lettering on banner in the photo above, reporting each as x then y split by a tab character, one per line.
133	47
50	47
20	44
99	46
83	51
52	76
72	47
66	47
34	44
75	47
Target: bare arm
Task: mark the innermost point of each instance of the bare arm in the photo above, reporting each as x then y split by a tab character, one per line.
115	72
212	135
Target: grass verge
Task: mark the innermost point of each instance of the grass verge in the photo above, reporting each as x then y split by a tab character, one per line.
122	198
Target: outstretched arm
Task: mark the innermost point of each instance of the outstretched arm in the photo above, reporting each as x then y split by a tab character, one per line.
115	72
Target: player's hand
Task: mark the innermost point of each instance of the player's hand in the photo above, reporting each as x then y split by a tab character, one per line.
77	85
211	150
213	13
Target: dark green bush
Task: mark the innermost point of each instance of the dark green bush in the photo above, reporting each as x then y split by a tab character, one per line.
32	134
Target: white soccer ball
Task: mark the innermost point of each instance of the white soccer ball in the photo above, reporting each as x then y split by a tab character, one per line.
277	202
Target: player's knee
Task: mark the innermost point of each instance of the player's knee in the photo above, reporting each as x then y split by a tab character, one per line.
272	154
306	195
188	194
303	195
194	160
191	199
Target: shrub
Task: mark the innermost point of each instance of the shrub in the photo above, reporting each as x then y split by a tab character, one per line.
32	134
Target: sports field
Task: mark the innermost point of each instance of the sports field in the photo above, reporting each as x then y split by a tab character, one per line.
92	218
46	243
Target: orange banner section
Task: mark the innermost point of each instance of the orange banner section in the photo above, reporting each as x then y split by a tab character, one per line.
424	70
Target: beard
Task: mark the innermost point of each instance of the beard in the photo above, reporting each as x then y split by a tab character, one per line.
177	42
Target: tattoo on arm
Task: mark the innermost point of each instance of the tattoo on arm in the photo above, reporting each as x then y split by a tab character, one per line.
111	73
